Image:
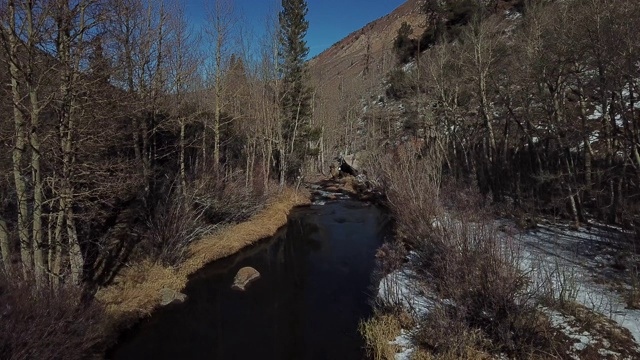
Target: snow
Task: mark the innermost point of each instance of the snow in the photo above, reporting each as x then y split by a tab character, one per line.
512	15
570	256
404	342
560	321
563	258
597	113
409	67
619	121
399	289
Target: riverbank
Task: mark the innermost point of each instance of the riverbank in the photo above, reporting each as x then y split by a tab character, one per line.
136	291
567	298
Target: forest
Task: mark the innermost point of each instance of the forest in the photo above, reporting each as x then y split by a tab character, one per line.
539	107
128	135
521	110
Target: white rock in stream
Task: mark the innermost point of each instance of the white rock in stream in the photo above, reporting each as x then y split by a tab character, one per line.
170	296
244	277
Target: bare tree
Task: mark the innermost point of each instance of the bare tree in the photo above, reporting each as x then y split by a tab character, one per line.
219	31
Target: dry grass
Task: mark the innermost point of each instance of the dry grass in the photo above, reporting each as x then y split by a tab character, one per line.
135	292
606	334
471	354
378	333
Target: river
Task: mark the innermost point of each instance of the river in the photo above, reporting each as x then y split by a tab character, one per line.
317	282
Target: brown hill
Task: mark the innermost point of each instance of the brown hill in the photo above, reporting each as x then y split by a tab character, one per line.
348	57
339	76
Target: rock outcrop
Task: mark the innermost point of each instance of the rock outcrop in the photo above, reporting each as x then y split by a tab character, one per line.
170	296
244	277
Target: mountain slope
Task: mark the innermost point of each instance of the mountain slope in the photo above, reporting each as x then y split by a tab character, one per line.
348	57
352	70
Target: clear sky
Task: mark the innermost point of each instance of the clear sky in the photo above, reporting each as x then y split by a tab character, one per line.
329	20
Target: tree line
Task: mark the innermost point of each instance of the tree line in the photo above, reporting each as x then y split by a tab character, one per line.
115	112
536	104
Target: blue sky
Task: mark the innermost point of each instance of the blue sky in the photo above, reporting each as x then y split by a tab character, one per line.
329	20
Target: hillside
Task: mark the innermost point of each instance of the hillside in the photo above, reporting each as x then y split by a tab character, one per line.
348	57
339	77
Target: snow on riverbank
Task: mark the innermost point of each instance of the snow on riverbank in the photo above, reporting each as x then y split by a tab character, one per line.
572	264
399	289
579	261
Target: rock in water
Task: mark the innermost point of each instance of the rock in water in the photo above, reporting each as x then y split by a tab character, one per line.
170	296
244	277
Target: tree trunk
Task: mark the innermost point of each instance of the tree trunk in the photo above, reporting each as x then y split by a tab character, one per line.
5	249
19	148
55	250
218	90
76	259
38	251
183	175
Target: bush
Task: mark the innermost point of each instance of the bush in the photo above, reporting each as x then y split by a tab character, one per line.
411	178
399	84
45	324
225	196
184	216
176	222
485	304
476	270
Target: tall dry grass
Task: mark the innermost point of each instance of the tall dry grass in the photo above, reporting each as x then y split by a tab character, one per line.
378	333
136	290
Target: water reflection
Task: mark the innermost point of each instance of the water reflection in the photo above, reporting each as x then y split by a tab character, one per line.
315	287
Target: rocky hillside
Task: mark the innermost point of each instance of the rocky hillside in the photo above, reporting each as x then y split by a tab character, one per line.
354	68
348	57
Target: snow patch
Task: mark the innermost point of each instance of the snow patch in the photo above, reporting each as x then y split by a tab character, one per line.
404	342
399	289
409	67
565	254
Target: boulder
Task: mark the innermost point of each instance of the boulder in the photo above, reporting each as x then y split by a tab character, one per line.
170	296
244	277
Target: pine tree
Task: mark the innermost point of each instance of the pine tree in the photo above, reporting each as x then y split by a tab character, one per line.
295	93
404	46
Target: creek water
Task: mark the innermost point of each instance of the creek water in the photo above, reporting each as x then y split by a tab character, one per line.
316	285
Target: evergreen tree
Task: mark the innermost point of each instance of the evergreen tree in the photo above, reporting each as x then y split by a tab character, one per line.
404	46
295	93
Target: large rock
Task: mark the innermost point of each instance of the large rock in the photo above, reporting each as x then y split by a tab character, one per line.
170	296
244	277
352	159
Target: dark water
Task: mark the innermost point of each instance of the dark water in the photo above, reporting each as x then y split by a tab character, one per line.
315	287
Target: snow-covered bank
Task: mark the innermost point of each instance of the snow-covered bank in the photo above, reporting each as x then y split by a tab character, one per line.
399	289
581	261
567	270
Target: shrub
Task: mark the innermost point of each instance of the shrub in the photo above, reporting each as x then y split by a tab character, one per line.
48	324
411	179
486	306
399	84
176	222
226	197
